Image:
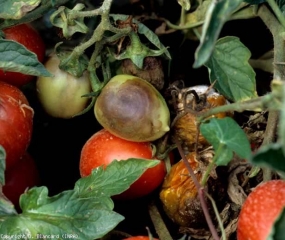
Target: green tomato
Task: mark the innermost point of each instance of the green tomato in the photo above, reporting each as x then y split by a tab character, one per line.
131	108
61	95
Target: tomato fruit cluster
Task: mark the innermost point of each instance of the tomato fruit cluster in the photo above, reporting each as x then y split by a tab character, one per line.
103	147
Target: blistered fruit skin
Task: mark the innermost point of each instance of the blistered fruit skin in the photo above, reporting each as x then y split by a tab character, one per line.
179	195
131	108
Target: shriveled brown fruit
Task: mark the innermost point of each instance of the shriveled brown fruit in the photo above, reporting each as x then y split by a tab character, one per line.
189	106
179	195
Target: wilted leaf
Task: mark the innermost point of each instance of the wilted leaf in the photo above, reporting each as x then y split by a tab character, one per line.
229	67
16	58
270	156
15	9
218	13
227	137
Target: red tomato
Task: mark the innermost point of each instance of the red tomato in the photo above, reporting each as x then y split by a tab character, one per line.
139	238
22	176
16	123
30	38
260	210
103	147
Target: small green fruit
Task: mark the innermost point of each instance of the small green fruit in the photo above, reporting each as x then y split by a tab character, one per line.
131	108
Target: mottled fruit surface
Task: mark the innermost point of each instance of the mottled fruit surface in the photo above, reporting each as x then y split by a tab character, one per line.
260	210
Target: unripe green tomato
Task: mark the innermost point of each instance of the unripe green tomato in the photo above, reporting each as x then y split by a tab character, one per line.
131	108
61	95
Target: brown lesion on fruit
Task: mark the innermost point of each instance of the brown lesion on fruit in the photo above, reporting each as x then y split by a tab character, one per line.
188	105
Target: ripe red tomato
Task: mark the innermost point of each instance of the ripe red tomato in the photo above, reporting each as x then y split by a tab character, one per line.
139	238
16	123
22	176
103	147
260	210
30	38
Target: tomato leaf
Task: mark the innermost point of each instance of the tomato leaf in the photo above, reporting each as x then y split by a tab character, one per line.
85	213
15	9
227	137
16	58
2	165
113	180
229	67
279	227
271	156
255	1
281	124
218	13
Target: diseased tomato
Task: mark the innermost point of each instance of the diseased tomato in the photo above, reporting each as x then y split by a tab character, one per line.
16	123
20	177
260	210
30	38
103	147
139	238
61	95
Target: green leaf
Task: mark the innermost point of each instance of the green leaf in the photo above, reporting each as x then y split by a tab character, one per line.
229	67
65	213
281	5
279	227
218	13
2	165
227	137
115	179
255	1
16	58
84	213
15	9
271	156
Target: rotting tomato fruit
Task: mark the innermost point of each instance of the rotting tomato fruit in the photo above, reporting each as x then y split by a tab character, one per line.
21	176
191	101
61	95
131	108
260	210
103	147
16	123
179	195
26	35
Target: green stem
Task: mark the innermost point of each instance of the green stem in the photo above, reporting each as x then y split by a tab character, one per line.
212	165
276	10
217	214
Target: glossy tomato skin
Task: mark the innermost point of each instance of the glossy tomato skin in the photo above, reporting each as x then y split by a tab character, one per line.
26	35
22	176
16	123
260	210
61	95
103	147
139	238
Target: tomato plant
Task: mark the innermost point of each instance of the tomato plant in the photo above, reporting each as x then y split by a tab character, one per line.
103	147
61	95
28	36
16	122
21	177
260	210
